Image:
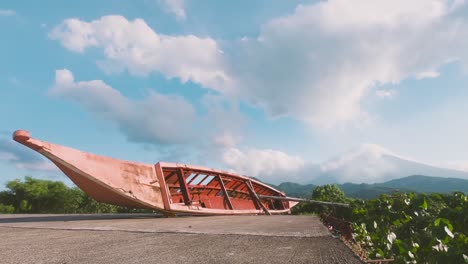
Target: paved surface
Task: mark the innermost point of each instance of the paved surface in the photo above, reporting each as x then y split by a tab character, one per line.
152	239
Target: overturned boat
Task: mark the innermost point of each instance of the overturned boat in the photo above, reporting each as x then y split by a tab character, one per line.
171	188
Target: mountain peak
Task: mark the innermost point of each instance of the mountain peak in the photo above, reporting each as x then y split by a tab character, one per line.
374	149
365	153
371	163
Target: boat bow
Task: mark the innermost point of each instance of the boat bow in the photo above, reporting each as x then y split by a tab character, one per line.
105	179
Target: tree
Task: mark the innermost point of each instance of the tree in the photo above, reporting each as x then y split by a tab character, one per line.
329	193
45	196
6	209
38	196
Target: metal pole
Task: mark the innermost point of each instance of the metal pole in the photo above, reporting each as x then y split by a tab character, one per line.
266	197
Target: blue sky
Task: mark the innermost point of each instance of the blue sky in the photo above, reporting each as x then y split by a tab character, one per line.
258	87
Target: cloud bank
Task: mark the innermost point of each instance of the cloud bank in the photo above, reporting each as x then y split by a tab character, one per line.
23	158
135	47
158	119
266	163
319	63
316	65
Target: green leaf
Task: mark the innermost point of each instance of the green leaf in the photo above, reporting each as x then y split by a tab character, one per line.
447	222
424	205
407	218
381	252
400	246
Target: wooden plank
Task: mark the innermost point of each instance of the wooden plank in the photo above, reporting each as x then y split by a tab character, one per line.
162	184
226	195
170	175
255	198
183	187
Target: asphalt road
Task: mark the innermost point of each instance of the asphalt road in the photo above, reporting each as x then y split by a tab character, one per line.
152	239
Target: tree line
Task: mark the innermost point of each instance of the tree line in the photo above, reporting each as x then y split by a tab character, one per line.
44	196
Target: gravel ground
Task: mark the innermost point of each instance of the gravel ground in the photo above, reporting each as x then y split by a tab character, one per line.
52	242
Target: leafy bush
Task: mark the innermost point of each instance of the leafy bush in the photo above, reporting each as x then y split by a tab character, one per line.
6	209
410	227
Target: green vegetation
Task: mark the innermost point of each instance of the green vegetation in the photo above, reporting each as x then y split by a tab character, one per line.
409	227
44	196
323	193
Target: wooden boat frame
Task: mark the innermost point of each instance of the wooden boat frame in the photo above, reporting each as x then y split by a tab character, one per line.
171	188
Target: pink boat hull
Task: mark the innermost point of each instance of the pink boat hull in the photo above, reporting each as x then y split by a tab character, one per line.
168	187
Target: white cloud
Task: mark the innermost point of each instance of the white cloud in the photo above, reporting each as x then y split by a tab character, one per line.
7	156
457	4
265	163
427	74
7	12
224	119
390	93
23	158
156	119
342	15
75	35
227	139
319	63
460	165
45	165
134	46
365	151
177	7
368	163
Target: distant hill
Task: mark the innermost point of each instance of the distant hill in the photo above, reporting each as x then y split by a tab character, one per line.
428	184
414	183
367	191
